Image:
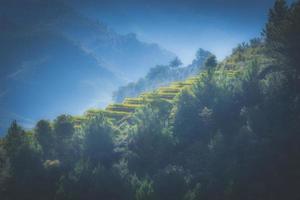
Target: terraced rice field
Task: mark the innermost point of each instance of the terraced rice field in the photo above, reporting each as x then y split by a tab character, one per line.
129	106
119	111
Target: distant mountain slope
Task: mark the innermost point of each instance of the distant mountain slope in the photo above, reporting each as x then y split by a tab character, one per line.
123	54
53	60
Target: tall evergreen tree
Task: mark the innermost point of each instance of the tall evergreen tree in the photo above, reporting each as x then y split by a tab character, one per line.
276	30
45	137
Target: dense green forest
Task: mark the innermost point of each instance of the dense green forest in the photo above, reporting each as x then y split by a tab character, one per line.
231	132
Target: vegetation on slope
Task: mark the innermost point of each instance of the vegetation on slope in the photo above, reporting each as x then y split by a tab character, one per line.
162	75
230	133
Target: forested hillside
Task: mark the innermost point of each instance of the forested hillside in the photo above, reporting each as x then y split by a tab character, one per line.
48	40
229	133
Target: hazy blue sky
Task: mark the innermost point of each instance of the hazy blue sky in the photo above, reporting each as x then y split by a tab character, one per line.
183	26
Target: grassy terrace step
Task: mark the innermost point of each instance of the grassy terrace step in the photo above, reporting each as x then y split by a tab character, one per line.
92	112
123	107
121	112
78	120
181	84
168	96
230	73
192	79
135	101
147	96
116	115
169	90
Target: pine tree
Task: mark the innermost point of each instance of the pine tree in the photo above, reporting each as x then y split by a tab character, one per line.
45	137
282	36
14	138
210	64
176	62
276	29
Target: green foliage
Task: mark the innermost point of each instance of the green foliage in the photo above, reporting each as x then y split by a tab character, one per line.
63	127
4	170
211	62
87	182
162	75
150	140
176	62
201	56
45	137
170	184
145	190
231	132
14	138
24	164
98	141
282	36
210	65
